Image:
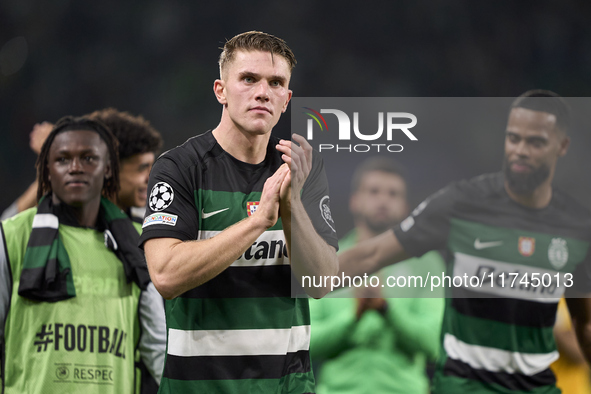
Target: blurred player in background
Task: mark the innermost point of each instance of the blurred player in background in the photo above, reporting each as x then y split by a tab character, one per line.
513	222
139	143
377	345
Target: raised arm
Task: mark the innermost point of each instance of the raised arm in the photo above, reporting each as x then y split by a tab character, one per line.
177	266
29	197
372	255
310	255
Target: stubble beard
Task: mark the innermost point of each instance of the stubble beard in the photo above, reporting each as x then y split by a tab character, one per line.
526	183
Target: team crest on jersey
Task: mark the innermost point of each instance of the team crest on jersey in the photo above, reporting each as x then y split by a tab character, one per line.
526	246
161	196
558	253
251	207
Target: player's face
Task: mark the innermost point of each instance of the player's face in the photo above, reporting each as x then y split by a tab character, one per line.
134	175
254	90
532	148
380	202
78	164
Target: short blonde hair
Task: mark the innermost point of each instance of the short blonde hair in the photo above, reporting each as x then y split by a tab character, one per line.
255	41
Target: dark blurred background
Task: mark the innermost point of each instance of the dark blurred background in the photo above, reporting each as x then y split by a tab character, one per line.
158	59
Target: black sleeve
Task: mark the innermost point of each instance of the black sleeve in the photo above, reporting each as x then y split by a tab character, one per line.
171	210
316	201
427	227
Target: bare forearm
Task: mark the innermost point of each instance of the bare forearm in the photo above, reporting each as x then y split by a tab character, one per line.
358	260
370	256
580	310
584	337
28	199
309	254
176	266
566	342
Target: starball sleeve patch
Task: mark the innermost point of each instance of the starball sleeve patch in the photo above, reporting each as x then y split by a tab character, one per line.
161	196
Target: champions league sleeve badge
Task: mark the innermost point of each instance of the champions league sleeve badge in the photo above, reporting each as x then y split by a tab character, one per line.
161	196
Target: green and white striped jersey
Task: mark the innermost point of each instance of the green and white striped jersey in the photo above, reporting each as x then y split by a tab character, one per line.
241	332
510	264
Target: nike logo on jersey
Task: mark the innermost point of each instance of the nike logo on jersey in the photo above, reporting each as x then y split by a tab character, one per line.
484	245
209	214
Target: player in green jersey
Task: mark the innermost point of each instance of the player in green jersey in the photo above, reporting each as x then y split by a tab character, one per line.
497	337
225	212
373	343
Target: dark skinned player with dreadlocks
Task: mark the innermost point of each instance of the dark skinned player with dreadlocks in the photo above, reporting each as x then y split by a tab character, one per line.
75	294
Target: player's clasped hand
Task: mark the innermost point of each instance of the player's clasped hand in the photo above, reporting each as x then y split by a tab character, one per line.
369	298
269	204
299	158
